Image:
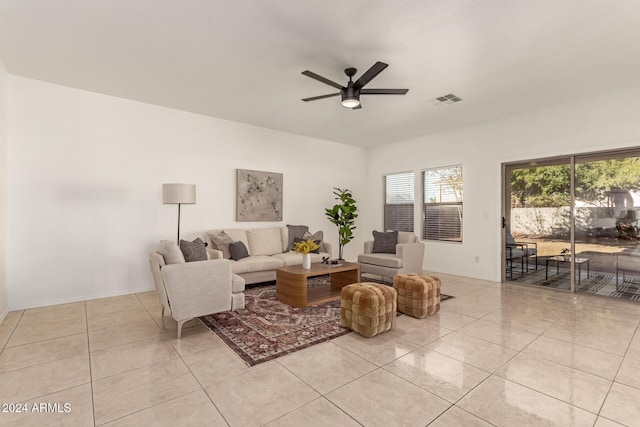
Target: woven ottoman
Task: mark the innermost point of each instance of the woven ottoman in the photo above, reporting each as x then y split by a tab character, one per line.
368	308
418	294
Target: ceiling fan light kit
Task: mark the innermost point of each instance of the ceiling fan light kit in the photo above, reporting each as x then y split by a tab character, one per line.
351	93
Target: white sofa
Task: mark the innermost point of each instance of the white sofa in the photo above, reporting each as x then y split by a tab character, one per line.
267	252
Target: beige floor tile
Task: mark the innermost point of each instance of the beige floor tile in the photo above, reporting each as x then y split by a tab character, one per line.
585	359
505	336
595	324
45	378
504	403
40	332
575	387
116	318
118	335
456	417
441	375
633	352
418	331
215	364
261	395
326	367
120	395
603	422
381	349
27	355
622	406
629	373
193	409
72	407
55	307
112	305
194	338
449	319
467	306
530	323
148	297
69	314
393	399
597	340
127	357
473	351
319	413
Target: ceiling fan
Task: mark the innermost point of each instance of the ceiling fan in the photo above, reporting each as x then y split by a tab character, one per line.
351	93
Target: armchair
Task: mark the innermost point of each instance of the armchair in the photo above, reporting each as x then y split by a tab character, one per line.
408	257
193	289
523	250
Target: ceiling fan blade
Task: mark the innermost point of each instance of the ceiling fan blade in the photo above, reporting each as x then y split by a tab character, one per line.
313	98
370	74
322	79
383	91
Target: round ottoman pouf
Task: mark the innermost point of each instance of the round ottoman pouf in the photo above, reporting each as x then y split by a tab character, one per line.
418	294
368	308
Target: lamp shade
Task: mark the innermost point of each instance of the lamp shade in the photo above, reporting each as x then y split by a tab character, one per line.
178	193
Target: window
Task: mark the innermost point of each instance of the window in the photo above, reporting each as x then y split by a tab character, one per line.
442	204
398	201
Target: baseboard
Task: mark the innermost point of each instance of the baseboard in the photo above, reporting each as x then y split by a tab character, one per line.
77	299
4	315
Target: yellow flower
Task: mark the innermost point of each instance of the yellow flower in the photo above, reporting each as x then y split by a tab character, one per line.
305	247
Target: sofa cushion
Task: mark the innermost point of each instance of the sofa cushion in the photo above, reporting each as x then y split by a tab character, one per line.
238	251
383	260
265	241
193	251
170	252
237	283
406	237
237	235
257	263
221	242
295	231
385	243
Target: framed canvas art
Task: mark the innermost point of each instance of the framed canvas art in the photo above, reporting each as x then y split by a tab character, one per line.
258	195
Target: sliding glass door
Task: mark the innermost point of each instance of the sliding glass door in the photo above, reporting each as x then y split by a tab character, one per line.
572	223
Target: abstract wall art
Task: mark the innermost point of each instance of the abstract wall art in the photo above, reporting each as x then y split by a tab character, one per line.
258	195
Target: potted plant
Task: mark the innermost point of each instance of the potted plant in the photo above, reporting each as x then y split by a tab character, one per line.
305	248
343	215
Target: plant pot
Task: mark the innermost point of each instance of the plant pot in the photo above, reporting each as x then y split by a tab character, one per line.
306	261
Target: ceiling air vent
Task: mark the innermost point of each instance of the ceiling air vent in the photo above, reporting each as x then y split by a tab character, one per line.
445	99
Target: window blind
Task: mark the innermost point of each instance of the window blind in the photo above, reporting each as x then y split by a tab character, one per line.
442	204
398	201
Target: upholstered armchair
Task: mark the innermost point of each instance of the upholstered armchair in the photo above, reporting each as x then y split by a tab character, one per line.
407	258
192	289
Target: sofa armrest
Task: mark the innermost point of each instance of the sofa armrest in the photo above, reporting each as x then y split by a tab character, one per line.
198	288
412	255
368	247
214	254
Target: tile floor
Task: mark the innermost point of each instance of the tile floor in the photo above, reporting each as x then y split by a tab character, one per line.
506	355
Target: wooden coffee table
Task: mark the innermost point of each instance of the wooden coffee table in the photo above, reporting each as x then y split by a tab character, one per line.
292	289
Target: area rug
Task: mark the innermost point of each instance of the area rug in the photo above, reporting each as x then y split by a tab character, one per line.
267	329
597	283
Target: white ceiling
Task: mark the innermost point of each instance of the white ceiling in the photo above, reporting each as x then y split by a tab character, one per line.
241	59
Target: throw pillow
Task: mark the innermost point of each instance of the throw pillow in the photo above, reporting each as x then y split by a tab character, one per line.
238	251
221	242
170	252
193	251
295	231
385	243
318	238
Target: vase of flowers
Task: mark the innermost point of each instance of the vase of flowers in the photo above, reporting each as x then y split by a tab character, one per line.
305	248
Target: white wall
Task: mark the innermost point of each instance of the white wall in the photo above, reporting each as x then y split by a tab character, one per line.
85	180
600	123
4	304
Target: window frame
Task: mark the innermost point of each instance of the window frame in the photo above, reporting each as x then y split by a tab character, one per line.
425	214
400	224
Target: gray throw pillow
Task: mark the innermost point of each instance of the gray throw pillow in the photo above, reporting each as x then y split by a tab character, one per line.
295	231
193	251
238	251
385	243
221	242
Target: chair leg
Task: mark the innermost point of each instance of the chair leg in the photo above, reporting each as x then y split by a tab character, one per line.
180	323
162	318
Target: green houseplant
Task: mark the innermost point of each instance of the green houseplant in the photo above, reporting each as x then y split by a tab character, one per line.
343	215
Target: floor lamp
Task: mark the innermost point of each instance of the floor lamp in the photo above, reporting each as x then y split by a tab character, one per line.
178	194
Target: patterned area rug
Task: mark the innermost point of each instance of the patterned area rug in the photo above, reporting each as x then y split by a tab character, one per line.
267	329
597	283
